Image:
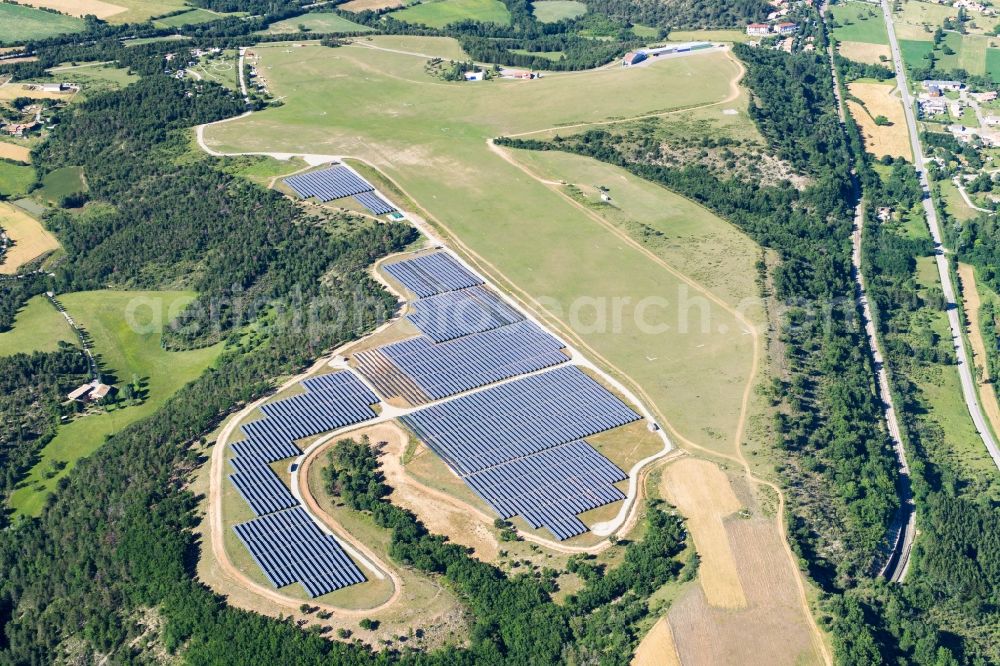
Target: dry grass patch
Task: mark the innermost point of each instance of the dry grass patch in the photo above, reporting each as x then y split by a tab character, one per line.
362	5
772	630
657	648
987	391
98	8
12	90
879	99
30	239
12	151
702	492
862	52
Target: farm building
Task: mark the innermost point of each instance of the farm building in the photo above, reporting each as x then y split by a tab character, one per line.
758	29
90	392
786	28
953	86
475	76
633	58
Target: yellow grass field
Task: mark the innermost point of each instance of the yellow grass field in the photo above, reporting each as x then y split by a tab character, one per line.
657	648
98	8
11	151
879	100
987	392
361	5
702	492
30	238
11	90
862	52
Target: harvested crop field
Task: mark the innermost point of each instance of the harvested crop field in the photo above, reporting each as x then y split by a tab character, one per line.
10	151
98	8
702	492
30	238
880	99
863	52
657	648
362	5
772	630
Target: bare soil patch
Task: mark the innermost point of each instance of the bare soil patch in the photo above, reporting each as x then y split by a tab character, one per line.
702	492
362	5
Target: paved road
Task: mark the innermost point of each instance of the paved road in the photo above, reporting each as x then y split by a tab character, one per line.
964	367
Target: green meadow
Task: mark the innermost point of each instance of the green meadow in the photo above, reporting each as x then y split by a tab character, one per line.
20	23
439	13
125	327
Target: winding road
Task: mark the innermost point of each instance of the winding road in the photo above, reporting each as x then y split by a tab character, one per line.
940	252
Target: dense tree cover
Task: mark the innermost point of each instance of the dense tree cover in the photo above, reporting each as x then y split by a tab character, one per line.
683	13
32	388
853	70
840	467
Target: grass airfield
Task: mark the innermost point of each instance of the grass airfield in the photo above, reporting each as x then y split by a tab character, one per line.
580	271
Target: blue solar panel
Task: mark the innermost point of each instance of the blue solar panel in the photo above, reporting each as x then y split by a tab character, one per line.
447	368
431	274
518	418
261	487
290	548
335	182
264	452
551	487
373	202
456	313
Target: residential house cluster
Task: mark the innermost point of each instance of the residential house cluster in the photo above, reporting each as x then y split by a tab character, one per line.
784	28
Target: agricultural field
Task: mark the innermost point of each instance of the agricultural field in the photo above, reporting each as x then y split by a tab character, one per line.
439	13
362	5
30	239
550	11
15	151
61	183
38	326
993	63
880	99
859	22
113	11
914	52
125	327
548	55
319	22
21	23
561	269
14	178
873	54
973	295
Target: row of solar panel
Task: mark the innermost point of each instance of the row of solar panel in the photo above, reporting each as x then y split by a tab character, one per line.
290	548
335	182
453	314
373	202
550	487
431	274
518	418
447	368
261	487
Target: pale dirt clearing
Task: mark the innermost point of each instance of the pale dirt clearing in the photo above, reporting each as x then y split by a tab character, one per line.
98	8
987	391
30	239
10	151
460	526
867	53
702	492
772	630
657	648
880	99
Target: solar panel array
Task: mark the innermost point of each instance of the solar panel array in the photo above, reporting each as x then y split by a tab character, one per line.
456	313
290	548
335	182
550	487
285	542
431	274
373	202
516	419
447	368
261	487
